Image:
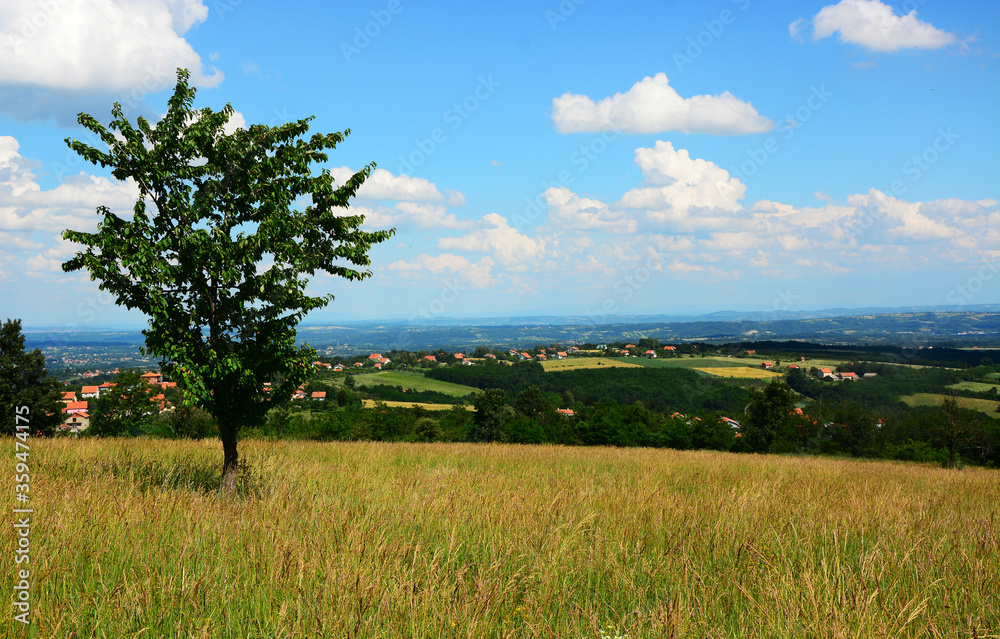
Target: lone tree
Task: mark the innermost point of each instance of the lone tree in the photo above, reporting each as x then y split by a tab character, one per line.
768	416
216	252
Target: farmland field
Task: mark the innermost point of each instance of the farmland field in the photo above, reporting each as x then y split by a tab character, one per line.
129	538
987	406
745	372
573	363
978	387
370	403
414	381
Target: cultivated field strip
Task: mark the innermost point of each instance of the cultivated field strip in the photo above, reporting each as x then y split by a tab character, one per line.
461	540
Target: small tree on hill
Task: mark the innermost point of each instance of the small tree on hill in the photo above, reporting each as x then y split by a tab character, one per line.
217	253
768	416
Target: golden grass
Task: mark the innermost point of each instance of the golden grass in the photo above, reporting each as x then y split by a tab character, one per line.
988	406
742	372
572	363
460	540
371	402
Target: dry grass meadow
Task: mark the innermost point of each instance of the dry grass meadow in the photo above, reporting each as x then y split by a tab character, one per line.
741	372
129	539
574	363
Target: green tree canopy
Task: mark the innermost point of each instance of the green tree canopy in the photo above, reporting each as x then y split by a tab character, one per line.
219	247
768	416
24	382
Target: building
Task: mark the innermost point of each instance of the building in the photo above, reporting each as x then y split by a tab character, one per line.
75	407
153	378
89	392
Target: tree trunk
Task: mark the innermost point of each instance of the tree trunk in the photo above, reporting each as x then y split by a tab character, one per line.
228	435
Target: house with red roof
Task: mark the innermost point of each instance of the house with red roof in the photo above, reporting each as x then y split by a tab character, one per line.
566	412
90	391
153	378
849	377
319	396
76	422
75	407
670	348
69	397
767	365
651	354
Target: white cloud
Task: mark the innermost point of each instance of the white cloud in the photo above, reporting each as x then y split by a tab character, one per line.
677	185
572	212
383	185
913	225
874	25
427	216
25	206
476	274
61	57
499	239
653	106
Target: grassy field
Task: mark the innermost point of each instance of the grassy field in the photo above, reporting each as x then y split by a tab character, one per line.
369	403
979	387
414	381
128	539
572	363
931	399
745	372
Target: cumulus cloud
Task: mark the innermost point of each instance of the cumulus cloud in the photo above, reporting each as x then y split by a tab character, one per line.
25	206
693	209
874	25
572	212
500	240
677	185
653	106
408	203
476	274
61	57
383	185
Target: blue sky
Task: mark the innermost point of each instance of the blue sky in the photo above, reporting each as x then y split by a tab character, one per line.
557	158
